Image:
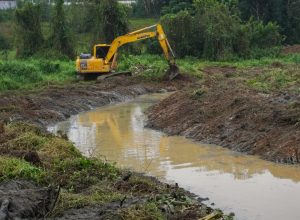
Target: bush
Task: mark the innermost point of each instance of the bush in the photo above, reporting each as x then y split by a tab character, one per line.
264	36
220	30
181	38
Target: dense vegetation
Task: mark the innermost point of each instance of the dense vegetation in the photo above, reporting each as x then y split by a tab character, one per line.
215	30
210	29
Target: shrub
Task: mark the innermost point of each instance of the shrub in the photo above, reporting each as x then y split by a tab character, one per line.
264	36
181	38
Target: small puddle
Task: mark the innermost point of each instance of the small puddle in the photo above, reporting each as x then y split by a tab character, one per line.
248	186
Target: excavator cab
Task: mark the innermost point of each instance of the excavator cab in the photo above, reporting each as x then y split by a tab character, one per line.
90	66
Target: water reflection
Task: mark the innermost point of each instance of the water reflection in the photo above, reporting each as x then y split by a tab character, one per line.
252	188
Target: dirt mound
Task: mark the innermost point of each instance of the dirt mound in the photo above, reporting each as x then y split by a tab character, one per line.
236	118
291	49
21	199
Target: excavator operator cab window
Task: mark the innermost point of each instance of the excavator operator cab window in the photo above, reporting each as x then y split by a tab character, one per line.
101	51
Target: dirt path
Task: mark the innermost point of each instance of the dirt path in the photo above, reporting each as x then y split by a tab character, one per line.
225	113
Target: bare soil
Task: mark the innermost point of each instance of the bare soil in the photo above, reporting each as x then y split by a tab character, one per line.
292	49
57	103
225	113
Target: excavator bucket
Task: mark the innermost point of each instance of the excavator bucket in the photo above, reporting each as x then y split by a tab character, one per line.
172	72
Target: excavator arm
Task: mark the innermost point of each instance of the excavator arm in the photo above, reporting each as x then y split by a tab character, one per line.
144	34
103	61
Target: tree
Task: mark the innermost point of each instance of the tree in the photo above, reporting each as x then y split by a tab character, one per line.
110	20
284	13
175	6
149	8
61	38
29	38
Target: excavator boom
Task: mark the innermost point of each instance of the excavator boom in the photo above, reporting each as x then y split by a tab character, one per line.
105	55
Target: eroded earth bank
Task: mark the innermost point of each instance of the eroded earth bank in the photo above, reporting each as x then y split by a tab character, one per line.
45	176
226	110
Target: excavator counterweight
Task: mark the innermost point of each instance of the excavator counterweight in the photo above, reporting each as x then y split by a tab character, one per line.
103	61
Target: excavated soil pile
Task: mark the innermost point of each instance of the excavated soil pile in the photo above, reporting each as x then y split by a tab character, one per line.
229	115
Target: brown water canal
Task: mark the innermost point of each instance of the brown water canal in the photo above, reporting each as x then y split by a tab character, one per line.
252	188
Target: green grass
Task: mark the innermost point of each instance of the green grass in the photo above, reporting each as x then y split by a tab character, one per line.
38	73
275	79
33	73
153	67
12	168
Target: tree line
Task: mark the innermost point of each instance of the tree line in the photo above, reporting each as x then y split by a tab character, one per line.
103	19
210	29
284	13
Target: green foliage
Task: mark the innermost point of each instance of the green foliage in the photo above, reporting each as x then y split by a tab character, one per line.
61	38
28	74
149	67
220	29
181	39
29	38
274	79
175	6
216	32
4	44
148	8
11	168
110	20
79	173
264	36
284	13
6	15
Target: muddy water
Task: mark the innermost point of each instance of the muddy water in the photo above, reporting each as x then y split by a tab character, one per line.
249	187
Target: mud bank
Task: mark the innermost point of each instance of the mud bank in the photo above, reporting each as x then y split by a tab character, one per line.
55	104
228	114
45	176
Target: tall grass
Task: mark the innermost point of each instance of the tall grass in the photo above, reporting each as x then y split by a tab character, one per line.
29	74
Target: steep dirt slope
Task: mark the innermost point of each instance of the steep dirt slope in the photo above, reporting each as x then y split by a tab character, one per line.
228	114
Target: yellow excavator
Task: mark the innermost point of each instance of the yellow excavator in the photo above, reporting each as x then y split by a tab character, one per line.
103	61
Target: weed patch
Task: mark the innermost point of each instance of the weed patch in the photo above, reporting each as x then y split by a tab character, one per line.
274	79
31	74
12	168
